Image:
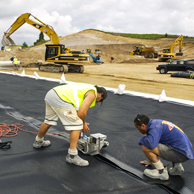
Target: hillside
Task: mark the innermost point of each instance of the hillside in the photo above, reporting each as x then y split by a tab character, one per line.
137	73
111	45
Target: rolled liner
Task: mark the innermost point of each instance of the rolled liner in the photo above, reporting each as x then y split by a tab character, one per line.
9	65
189	75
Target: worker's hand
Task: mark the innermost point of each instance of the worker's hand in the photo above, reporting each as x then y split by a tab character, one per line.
146	163
85	127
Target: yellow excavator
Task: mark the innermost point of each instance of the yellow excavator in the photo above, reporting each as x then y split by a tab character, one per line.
168	53
58	58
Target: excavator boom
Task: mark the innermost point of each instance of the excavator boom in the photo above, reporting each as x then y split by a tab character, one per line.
38	24
179	41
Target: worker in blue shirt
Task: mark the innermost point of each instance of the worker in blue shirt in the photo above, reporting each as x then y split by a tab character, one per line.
165	140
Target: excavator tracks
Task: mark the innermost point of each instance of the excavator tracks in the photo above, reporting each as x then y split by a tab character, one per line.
51	68
61	68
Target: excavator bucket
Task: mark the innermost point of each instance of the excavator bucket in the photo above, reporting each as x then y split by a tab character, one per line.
7	41
179	54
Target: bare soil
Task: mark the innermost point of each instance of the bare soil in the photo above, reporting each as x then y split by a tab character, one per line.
136	72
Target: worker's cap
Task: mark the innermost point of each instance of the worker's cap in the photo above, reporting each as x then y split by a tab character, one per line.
104	94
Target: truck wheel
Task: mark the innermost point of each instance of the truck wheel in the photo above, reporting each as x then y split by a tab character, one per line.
146	55
163	71
151	55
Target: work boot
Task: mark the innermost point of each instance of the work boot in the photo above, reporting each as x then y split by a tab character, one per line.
41	143
177	169
157	174
75	159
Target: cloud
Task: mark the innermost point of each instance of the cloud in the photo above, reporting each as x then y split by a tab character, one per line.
127	16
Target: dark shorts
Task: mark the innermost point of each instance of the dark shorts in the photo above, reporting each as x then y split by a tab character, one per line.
171	155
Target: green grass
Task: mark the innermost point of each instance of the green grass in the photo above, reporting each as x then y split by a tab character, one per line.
10	47
146	36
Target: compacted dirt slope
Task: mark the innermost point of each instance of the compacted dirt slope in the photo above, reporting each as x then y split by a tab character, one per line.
136	72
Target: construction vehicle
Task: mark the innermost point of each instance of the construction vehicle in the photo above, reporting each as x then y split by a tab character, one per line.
95	56
58	58
168	53
147	52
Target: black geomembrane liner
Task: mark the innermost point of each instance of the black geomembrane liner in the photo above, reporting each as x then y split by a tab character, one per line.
27	170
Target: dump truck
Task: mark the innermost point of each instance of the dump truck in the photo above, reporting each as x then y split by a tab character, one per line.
147	52
58	58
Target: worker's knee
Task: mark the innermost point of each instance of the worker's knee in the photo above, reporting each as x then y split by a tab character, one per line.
148	151
145	149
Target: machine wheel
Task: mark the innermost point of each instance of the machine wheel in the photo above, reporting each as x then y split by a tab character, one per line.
51	68
40	68
62	69
163	70
151	55
81	69
75	68
66	68
146	55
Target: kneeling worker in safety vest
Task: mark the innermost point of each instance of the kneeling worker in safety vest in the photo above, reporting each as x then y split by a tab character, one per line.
70	104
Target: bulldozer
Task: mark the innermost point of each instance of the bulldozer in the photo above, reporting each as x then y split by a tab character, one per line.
58	58
168	52
147	52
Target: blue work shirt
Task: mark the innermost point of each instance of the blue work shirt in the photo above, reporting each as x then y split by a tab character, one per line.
165	132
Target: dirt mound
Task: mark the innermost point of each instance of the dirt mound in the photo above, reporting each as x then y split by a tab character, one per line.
27	57
110	45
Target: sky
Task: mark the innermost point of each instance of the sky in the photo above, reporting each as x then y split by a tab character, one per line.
124	16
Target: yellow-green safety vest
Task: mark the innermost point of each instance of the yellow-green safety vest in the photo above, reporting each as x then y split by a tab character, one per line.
74	93
15	61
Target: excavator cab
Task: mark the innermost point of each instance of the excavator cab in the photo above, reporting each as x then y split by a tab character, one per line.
51	51
166	50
